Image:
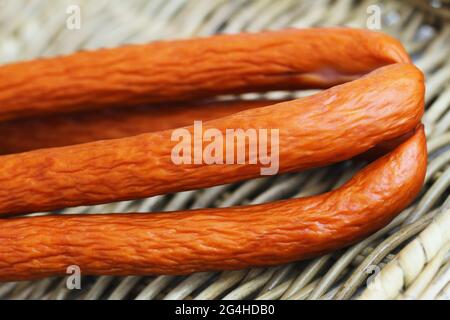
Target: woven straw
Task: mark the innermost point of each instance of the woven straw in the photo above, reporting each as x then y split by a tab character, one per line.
411	252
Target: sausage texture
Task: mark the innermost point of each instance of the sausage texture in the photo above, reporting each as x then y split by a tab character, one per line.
216	239
57	130
382	104
318	130
191	69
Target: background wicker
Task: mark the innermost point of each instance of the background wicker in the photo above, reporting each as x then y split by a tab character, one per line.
412	252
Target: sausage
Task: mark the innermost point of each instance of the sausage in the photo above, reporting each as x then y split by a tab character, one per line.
57	130
193	69
317	130
216	239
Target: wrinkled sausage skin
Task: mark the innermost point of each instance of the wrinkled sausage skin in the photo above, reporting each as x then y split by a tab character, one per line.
216	239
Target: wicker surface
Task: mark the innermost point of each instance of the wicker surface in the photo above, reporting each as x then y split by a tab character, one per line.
412	252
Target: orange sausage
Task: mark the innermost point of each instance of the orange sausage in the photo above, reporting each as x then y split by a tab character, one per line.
191	69
20	135
318	130
216	239
57	130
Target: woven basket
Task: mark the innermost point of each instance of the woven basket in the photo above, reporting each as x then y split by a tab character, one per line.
408	259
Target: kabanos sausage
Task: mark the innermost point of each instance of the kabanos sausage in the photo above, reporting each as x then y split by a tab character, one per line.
191	69
20	135
216	239
318	130
57	130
